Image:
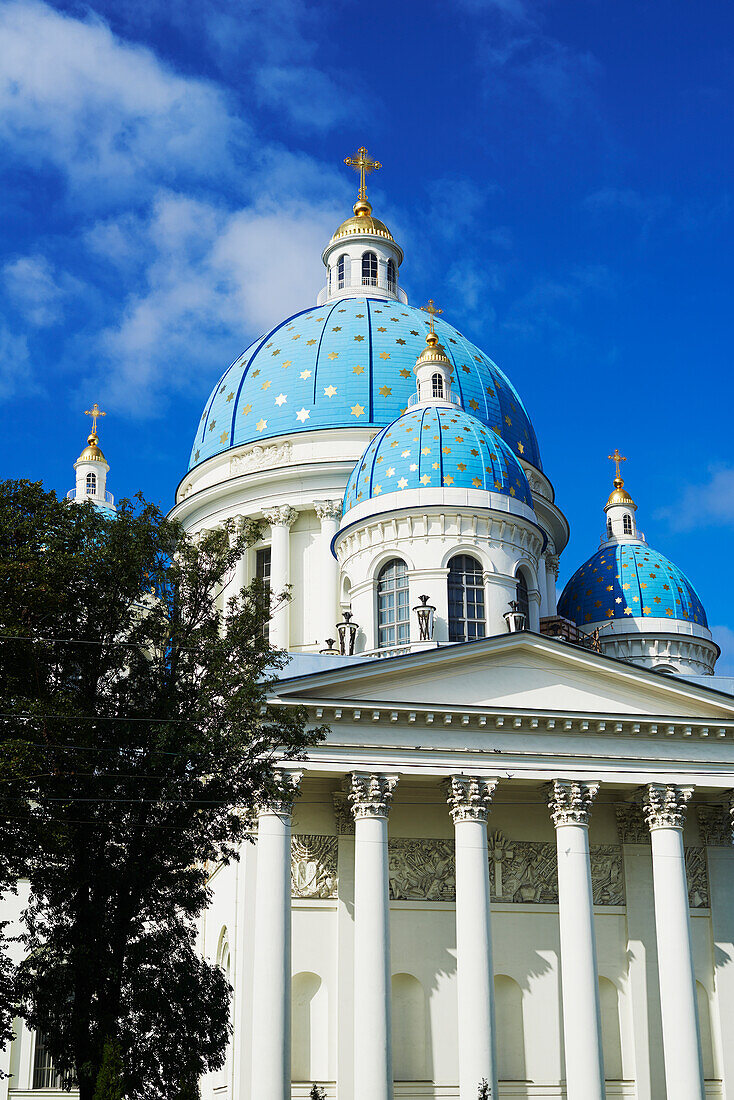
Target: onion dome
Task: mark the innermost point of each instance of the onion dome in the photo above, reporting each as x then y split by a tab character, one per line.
351	363
629	580
92	452
362	224
439	448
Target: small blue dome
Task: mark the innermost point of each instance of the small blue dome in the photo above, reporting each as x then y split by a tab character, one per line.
349	363
434	446
629	580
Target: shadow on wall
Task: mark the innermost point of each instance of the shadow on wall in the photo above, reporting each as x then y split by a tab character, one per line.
309	1029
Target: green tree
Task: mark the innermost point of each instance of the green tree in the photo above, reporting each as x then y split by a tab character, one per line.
109	1083
145	706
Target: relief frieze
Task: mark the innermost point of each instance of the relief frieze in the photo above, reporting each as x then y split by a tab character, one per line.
313	866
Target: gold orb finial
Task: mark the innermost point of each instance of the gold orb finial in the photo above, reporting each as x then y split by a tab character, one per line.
363	163
619	494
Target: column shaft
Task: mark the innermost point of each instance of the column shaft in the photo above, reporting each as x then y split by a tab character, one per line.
370	796
570	804
664	808
469	799
271	992
326	589
280	520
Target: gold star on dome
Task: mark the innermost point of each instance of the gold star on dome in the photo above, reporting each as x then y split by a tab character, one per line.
461	466
425	450
277	351
357	369
384	355
385	391
305	374
402	483
512	491
310	343
474	452
508	422
359	338
381	329
337	328
266	385
425	480
329	391
230	397
281	399
413	467
261	425
405	373
333	355
212	425
357	410
196	456
296	337
303	415
473	405
399	341
224	437
247	410
287	363
377	490
255	373
520	448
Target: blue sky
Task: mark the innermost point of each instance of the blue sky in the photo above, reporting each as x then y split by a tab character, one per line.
559	175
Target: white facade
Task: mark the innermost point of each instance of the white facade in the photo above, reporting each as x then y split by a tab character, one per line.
510	859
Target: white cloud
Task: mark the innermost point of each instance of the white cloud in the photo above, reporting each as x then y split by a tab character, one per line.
309	96
37	290
15	363
109	115
708	504
215	279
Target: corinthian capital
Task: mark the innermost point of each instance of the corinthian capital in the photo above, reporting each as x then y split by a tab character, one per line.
551	562
469	797
282	802
370	793
328	509
283	516
664	805
570	801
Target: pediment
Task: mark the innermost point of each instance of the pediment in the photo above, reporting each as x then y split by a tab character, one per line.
522	671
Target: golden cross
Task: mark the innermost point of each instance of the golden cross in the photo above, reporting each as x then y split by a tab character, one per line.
616	458
432	309
363	163
94	412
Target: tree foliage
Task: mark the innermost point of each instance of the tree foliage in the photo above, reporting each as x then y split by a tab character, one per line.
143	704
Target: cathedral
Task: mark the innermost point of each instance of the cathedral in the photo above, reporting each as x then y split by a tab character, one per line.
508	870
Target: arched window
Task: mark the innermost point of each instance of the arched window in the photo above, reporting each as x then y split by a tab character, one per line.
437	381
627	523
611	1038
91	484
510	1029
466	599
409	1028
392	276
342	271
609	528
369	269
393	611
309	1028
523	599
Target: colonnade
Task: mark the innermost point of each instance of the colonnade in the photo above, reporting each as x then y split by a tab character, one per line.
469	800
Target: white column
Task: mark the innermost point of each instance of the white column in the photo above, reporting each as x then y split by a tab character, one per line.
551	576
271	983
469	798
570	805
664	807
326	590
281	520
370	795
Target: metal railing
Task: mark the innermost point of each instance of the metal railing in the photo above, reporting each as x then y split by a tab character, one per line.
81	494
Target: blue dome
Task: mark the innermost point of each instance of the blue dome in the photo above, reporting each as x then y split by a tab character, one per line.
434	446
629	580
349	362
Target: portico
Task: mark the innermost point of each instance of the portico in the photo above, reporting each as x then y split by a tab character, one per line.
517	914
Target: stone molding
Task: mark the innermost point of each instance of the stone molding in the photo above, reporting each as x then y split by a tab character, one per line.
261	457
569	801
370	793
282	516
469	797
714	824
631	826
328	509
343	815
314	866
664	805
